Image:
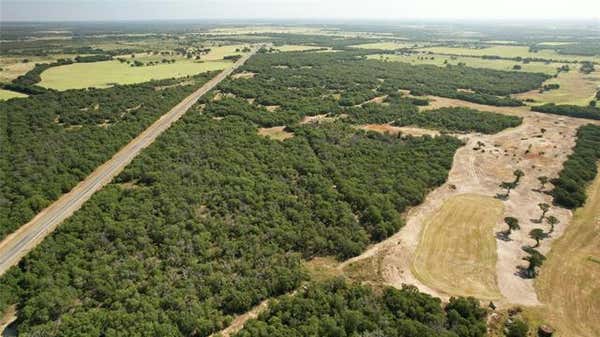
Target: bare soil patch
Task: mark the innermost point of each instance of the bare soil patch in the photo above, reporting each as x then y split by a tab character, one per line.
243	74
395	130
319	119
271	108
276	133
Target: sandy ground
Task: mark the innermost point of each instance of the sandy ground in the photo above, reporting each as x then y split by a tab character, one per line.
239	321
8	317
395	130
243	74
276	132
480	171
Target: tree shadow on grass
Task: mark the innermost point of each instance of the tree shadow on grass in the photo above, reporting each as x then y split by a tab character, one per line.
503	235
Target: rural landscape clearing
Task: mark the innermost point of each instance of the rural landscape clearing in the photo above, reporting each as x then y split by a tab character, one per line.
173	171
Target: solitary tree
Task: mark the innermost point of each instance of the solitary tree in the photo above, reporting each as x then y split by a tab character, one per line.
518	175
507	186
537	234
552	221
544	207
535	259
543	181
513	224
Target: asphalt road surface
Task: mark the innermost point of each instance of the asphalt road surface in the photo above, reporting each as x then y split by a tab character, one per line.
17	244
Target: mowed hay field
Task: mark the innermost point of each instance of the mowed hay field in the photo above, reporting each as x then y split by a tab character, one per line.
510	51
108	73
457	251
575	88
569	281
7	94
474	62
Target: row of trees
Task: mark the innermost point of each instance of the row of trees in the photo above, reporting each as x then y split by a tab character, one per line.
589	112
579	169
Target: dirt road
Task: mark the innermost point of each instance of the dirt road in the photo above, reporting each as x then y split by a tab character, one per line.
17	244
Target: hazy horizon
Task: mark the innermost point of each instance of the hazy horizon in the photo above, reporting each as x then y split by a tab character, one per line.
314	10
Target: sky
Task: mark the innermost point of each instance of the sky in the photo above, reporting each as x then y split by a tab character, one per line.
108	10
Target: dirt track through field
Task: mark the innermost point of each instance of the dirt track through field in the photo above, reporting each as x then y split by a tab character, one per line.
538	147
17	244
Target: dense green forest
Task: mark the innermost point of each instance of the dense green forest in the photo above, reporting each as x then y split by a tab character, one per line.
350	72
460	120
579	169
339	309
50	142
590	112
215	218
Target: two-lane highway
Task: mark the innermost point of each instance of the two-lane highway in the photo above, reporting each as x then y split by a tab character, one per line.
17	244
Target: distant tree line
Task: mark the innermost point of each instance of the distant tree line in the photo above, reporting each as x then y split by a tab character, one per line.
589	112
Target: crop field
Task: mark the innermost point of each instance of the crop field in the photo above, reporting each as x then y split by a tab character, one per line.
511	51
386	45
13	67
475	62
575	88
6	94
568	283
468	268
107	73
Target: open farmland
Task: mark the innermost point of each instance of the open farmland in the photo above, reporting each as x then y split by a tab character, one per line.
108	73
511	52
387	45
290	47
475	62
6	94
457	250
575	88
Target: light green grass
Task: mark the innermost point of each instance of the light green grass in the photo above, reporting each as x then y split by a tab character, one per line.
105	74
575	88
550	43
385	45
7	94
511	51
475	62
295	47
